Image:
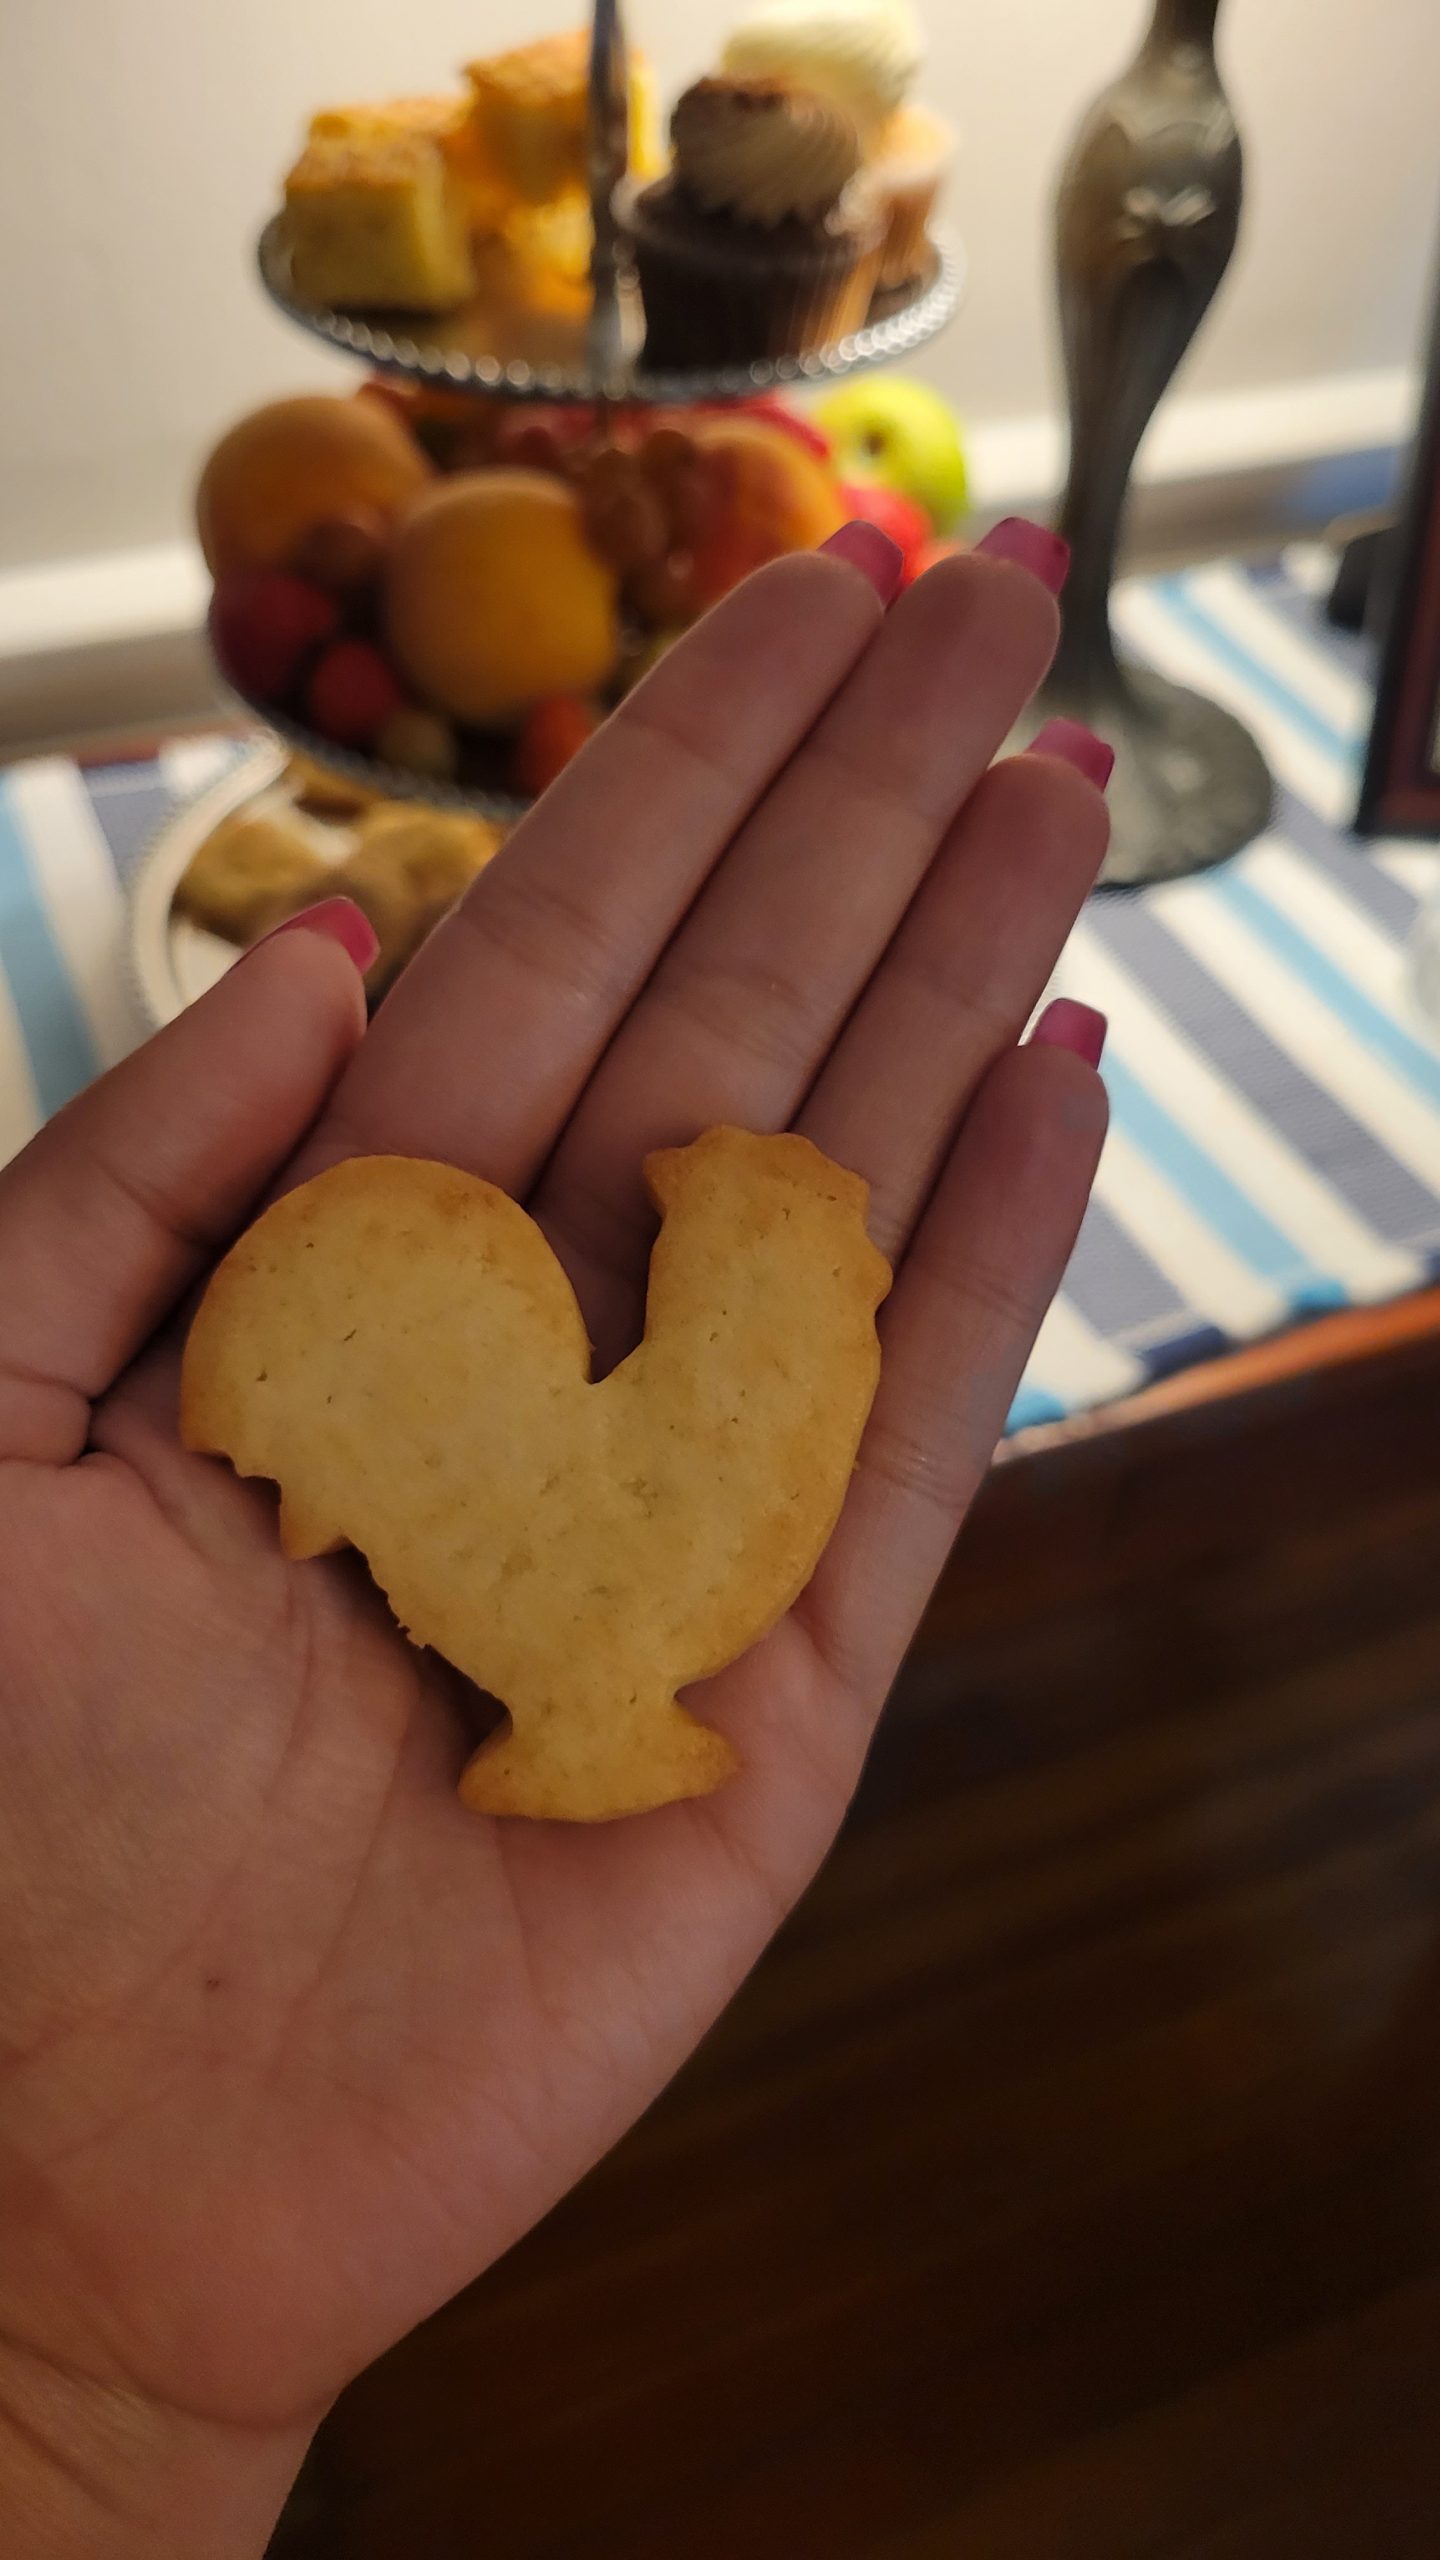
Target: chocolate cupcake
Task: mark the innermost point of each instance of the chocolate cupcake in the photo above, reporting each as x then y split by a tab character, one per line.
763	241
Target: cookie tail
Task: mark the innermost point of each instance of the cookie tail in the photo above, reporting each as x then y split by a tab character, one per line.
548	1767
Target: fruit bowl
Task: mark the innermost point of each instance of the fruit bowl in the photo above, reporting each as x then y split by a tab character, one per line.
497	342
447	619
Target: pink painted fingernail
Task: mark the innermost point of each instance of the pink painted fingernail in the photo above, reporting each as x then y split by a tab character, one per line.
339	920
872	553
1067	1025
1073	743
1031	546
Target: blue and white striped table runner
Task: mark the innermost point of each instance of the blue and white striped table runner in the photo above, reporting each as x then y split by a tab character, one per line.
1275	1096
1275	1146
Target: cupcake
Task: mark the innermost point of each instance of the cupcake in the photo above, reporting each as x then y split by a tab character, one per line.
864	55
760	242
907	164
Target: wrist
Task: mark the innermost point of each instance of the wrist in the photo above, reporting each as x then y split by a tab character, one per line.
89	2469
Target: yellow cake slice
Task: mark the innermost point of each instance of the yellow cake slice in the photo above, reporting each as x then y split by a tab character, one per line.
448	120
433	119
378	221
531	113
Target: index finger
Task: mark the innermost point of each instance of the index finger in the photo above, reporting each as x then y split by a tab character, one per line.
486	1043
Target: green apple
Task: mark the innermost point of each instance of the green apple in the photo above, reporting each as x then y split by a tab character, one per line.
904	435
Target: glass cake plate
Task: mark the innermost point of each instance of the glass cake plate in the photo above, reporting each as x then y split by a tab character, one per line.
570	342
512	346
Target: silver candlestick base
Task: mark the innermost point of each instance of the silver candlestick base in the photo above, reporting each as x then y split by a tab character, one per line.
1190	785
1146	220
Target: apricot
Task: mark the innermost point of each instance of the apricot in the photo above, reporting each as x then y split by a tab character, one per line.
298	463
493	597
772	494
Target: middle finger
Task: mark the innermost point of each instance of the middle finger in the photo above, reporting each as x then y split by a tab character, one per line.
749	996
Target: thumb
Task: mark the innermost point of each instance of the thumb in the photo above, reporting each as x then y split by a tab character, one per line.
110	1213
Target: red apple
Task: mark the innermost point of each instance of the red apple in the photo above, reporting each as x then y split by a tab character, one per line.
907	524
793	422
264	625
551	733
351	694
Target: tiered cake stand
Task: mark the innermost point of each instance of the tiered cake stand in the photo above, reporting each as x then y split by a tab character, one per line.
500	347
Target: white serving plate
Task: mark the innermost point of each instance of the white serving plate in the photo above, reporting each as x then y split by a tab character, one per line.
172	961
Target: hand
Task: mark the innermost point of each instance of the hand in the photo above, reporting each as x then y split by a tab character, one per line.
291	2045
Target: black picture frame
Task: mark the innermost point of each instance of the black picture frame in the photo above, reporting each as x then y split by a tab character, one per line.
1400	793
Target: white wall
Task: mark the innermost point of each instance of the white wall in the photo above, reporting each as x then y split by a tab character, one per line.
140	143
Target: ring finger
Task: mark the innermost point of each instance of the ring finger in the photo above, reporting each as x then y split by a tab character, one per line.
963	974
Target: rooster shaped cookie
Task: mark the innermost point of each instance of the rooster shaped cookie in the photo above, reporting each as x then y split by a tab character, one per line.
396	1346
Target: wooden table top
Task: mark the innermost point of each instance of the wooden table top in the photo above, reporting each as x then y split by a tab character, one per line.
1065	2183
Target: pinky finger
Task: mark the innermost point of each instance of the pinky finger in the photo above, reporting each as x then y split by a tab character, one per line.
970	1297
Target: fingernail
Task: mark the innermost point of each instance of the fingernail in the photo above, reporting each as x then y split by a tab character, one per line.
339	920
1031	546
1077	1027
1073	743
872	553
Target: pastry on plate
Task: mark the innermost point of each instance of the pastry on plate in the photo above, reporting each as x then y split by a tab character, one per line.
256	864
322	792
760	242
439	851
407	868
377	222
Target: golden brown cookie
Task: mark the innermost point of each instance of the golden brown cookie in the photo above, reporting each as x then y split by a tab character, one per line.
396	1346
325	794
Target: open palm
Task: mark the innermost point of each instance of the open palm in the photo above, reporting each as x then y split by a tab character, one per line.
292	2045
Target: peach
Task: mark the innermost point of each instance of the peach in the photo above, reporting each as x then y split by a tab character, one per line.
493	597
773	495
929	557
299	463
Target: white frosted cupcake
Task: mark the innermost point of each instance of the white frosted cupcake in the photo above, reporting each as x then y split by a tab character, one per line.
864	55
